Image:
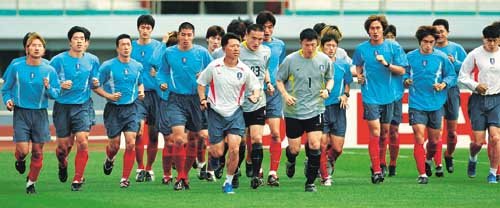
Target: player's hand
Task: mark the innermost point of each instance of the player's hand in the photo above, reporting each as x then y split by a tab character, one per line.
204	104
153	72
343	102
381	59
163	86
95	82
270	89
481	88
451	58
290	100
439	86
361	79
324	93
166	37
253	99
46	83
66	84
115	96
408	82
10	105
141	95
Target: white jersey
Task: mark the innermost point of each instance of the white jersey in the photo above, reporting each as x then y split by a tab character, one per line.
227	85
258	61
488	70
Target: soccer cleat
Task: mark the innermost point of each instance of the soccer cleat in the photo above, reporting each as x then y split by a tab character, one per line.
227	188
439	171
273	180
124	183
149	176
20	166
181	185
195	165
107	166
471	169
76	186
422	180
186	184
448	161
492	178
219	171
310	188
498	178
428	170
203	174
255	182
236	181
392	170
326	181
383	167
249	169
210	176
140	175
290	169
377	178
167	180
31	189
63	174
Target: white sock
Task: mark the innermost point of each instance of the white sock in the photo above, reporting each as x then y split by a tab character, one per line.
428	161
29	183
473	158
229	179
423	175
272	172
493	171
200	165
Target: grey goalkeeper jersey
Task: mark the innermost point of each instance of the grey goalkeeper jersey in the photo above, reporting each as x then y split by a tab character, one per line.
258	62
303	79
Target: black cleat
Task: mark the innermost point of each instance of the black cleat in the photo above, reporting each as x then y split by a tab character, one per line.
31	189
75	186
63	174
448	161
255	182
203	174
20	166
422	180
273	181
439	171
219	171
310	188
210	177
179	185
124	184
428	170
384	169
236	181
166	180
377	178
150	176
392	170
290	169
249	169
140	176
107	166
195	165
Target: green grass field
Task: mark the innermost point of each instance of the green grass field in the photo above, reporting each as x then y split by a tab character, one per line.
351	188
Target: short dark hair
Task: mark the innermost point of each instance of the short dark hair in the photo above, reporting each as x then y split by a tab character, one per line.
442	22
329	37
75	29
172	39
214	31
373	18
390	29
426	30
146	19
25	38
308	34
228	36
255	27
122	36
331	30
265	16
318	27
238	27
491	31
186	25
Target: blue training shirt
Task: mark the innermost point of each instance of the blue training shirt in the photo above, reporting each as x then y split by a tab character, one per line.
124	78
156	63
378	87
22	58
341	77
278	54
144	55
455	50
426	70
80	71
23	84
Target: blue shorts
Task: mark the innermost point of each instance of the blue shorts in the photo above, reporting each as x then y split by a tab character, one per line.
274	105
31	125
219	126
120	118
72	118
162	124
382	112
148	107
184	110
484	111
452	105
431	119
334	120
204	120
397	114
296	127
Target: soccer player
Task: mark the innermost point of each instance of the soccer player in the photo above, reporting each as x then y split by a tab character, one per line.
390	32
430	74
142	51
305	79
213	37
28	84
121	79
228	78
484	103
456	54
274	101
377	62
183	63
73	113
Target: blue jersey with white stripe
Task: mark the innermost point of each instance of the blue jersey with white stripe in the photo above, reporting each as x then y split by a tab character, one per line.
426	70
455	50
156	63
378	87
278	54
22	58
144	55
124	78
182	68
341	77
80	71
23	84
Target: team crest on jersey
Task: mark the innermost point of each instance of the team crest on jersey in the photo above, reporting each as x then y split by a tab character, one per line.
126	71
376	53
32	75
239	75
78	66
492	61
184	60
142	53
424	63
322	68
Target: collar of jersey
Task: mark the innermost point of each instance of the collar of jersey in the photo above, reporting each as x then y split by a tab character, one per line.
302	54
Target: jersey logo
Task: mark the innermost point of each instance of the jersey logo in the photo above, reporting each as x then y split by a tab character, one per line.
424	63
184	60
322	68
32	75
239	75
78	66
126	71
142	54
376	53
492	61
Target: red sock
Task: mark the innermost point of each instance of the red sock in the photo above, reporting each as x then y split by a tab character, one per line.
322	163
81	159
202	150
451	143
431	150
394	148
152	151
19	156
374	150
438	156
139	151
35	166
419	154
128	163
179	156
383	149
191	152
275	150
167	160
111	153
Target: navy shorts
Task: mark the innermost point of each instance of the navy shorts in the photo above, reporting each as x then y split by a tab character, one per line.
219	126
484	111
382	112
296	127
162	124
431	119
31	125
148	107
184	110
452	105
72	118
274	105
397	114
120	118
255	117
204	120
335	120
